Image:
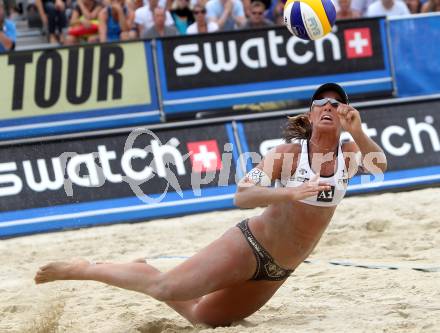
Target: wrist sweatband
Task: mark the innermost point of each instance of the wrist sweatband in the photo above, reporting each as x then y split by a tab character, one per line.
258	177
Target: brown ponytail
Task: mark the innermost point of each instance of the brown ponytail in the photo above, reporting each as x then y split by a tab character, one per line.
297	127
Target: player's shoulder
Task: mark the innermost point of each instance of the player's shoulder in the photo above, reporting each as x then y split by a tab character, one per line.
288	148
275	160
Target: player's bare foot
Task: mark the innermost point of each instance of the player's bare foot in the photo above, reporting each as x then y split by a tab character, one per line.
61	270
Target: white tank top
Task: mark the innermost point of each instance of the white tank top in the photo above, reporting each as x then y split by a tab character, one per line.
338	181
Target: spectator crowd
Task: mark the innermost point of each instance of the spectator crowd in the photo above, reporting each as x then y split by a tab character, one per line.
69	22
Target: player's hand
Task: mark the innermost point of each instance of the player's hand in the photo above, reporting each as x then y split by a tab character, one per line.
308	189
350	118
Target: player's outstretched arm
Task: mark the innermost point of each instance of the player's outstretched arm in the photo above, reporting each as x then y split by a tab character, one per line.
255	190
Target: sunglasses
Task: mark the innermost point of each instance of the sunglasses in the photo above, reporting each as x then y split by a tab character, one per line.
197	12
324	101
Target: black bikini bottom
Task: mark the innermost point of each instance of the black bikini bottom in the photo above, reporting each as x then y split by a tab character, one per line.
267	268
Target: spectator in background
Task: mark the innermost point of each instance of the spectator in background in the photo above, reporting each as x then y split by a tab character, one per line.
361	6
115	21
228	14
159	29
143	16
257	19
134	5
53	16
84	22
13	9
276	12
345	11
7	31
201	25
431	6
387	8
247	5
198	2
414	6
182	16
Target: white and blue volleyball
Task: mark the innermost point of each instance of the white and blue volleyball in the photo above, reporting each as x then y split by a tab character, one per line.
309	19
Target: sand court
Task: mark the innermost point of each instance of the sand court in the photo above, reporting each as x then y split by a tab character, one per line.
393	229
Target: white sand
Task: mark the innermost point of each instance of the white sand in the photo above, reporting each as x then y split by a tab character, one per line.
401	229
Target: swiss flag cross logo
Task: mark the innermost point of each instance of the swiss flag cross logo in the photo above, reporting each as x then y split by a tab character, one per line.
358	43
204	155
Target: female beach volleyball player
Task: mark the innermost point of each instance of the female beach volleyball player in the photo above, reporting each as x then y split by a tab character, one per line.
239	272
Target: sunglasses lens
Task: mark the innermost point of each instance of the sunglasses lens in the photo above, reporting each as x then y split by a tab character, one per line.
324	101
320	102
334	102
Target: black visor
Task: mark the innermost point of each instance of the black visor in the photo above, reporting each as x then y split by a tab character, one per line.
331	87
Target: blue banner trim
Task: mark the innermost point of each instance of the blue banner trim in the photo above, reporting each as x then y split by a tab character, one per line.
125	209
252	87
230	133
244	144
385	46
161	67
396	179
154	105
79	115
256	99
218	102
115	123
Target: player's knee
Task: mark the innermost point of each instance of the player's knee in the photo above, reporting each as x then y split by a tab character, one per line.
160	290
215	323
210	316
167	290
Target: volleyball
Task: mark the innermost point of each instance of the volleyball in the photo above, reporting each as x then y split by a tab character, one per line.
309	19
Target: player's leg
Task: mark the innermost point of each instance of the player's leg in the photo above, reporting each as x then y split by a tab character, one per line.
184	308
225	262
225	306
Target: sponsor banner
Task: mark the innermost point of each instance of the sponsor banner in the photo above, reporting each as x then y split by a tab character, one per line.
216	70
408	133
415	57
77	88
138	175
